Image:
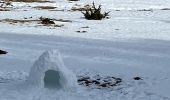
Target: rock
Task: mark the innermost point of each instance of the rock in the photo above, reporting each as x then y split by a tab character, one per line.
137	78
83	79
118	80
96	82
103	85
88	81
3	52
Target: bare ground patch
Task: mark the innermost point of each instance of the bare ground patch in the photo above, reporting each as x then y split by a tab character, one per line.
29	1
151	10
5	6
56	10
44	7
35	22
17	21
1	9
79	8
165	9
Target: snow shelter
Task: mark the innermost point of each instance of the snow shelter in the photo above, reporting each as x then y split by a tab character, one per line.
49	71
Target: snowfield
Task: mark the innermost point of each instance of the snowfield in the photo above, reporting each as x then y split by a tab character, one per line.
125	59
131	43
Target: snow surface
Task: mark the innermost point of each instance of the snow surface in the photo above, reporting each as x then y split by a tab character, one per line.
126	23
121	58
131	43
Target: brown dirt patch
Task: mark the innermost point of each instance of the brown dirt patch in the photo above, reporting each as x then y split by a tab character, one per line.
78	8
44	7
29	1
18	21
165	9
30	20
4	9
37	22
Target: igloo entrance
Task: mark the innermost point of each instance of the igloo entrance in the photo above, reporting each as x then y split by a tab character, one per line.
51	79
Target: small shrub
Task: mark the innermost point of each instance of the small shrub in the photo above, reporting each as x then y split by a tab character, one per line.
46	21
94	13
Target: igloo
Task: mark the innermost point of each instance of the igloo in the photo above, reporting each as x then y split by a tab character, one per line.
49	71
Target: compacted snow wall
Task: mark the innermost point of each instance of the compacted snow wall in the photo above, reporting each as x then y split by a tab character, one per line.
49	71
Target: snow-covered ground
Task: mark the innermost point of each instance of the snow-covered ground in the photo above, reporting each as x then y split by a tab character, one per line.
131	43
126	23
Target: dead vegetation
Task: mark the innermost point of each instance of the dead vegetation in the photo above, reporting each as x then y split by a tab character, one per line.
94	13
85	27
99	82
5	3
151	10
73	0
46	21
4	9
165	9
29	1
5	6
44	7
14	21
78	8
42	21
56	10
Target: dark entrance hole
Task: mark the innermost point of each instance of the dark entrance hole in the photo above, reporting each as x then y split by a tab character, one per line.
51	79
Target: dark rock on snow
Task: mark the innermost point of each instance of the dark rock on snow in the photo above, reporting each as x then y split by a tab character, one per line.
137	78
3	52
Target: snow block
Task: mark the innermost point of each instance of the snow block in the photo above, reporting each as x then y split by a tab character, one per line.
49	71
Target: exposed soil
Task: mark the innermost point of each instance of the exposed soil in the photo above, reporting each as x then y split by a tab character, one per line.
29	1
30	20
44	7
18	21
99	82
165	9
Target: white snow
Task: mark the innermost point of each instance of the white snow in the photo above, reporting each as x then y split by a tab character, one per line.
131	43
122	58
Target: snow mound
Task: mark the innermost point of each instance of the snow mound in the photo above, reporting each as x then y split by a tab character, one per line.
49	71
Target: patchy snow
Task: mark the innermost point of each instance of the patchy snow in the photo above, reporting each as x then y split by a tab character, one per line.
126	23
